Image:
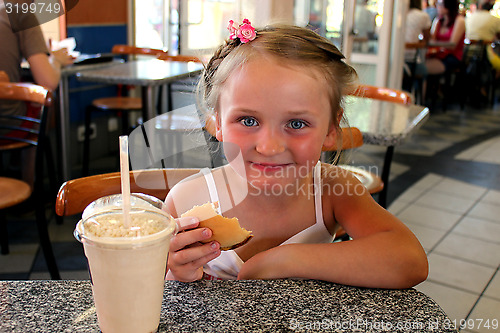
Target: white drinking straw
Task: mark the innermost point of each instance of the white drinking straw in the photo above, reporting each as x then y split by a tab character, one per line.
124	173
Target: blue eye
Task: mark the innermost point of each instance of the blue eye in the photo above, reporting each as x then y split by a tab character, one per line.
249	121
296	124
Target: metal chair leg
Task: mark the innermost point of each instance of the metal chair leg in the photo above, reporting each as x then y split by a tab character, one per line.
43	234
86	143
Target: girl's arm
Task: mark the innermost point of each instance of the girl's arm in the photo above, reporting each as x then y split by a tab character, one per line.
384	253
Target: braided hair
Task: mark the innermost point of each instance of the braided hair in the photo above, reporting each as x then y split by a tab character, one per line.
299	46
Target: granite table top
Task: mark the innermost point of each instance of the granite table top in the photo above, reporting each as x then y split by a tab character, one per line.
384	123
230	306
151	72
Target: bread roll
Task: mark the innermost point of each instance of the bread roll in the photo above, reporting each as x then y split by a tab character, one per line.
226	231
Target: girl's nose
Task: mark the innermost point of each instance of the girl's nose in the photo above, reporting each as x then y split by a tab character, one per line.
270	143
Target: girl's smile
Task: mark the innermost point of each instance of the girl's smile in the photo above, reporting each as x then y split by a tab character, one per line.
270	169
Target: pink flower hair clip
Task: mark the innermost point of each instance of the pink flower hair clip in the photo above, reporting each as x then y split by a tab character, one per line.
245	32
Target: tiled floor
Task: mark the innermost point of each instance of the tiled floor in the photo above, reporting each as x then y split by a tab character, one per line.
445	185
453	208
458	225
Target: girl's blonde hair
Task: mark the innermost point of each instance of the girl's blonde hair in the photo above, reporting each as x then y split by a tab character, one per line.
300	46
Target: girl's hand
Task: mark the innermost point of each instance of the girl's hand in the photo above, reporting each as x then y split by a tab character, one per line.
187	254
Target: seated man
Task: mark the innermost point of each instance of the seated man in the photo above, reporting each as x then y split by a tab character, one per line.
27	43
481	25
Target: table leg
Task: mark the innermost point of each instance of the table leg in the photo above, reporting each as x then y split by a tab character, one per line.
386	170
63	119
148	104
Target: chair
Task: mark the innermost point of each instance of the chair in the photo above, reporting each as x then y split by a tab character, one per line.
383	94
74	195
446	86
351	137
479	72
133	50
389	95
25	132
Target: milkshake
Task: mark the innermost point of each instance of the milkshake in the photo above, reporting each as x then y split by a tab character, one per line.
127	265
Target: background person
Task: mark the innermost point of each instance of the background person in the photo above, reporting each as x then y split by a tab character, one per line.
45	68
29	44
447	34
430	8
481	25
365	26
484	28
418	25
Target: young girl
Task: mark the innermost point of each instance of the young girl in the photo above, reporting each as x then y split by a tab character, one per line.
277	95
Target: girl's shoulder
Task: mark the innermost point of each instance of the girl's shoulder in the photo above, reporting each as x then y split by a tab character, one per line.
343	194
195	180
338	182
335	173
187	193
194	190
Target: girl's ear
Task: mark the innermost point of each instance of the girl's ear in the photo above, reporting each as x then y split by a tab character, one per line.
331	135
340	116
331	138
218	129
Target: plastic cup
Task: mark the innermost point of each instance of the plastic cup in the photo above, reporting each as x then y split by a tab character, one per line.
127	271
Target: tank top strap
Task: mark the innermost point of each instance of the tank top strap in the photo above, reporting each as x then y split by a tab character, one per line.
318	191
212	189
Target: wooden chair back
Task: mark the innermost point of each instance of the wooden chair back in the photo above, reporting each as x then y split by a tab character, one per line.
383	94
127	49
180	57
350	138
76	194
19	131
4	77
27	92
160	54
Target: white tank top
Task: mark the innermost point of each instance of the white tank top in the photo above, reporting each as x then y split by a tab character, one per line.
228	264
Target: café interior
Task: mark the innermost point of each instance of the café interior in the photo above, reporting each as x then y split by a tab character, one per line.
443	181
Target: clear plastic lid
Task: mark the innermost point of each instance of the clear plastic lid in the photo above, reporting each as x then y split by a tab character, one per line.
102	220
115	202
